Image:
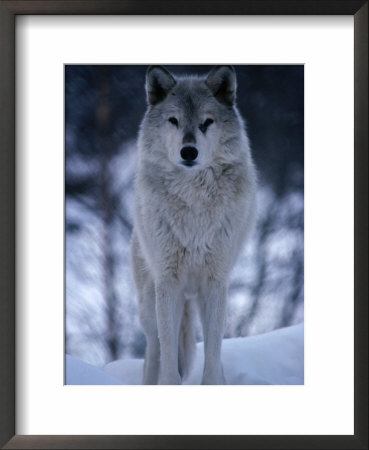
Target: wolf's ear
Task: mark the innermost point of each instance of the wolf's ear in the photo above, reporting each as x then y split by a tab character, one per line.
158	83
223	84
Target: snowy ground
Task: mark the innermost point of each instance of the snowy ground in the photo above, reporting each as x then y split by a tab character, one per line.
272	358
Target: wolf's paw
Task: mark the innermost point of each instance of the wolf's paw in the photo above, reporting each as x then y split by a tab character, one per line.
170	379
214	378
218	381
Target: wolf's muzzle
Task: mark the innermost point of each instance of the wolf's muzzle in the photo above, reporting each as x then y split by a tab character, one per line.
189	154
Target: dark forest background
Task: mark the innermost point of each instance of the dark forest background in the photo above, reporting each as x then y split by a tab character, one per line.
103	109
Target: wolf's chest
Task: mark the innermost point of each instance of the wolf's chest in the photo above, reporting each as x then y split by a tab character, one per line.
191	212
194	224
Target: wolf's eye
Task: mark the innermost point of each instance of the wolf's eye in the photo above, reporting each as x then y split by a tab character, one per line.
204	126
173	121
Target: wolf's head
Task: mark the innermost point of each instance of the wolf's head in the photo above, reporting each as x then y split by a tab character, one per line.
191	121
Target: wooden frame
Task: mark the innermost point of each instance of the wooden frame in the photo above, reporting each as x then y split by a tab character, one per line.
8	11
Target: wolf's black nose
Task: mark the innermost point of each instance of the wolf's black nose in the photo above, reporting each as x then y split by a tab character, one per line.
189	153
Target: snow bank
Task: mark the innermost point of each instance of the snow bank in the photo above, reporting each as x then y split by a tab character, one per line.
272	358
79	372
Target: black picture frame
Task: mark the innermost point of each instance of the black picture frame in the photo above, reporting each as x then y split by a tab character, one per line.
8	12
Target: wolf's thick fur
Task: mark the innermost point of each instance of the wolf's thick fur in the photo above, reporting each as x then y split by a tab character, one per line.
195	204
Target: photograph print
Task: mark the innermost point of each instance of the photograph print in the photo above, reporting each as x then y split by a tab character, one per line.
184	224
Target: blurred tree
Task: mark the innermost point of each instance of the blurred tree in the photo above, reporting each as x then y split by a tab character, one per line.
277	256
107	207
93	185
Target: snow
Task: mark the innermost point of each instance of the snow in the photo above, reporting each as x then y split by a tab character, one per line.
128	371
271	358
80	372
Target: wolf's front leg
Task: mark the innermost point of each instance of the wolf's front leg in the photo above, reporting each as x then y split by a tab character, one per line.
213	311
149	325
168	314
151	363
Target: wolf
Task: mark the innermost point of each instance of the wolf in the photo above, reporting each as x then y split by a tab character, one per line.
194	207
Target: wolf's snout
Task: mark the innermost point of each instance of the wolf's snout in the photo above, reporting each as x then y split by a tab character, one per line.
189	153
189	138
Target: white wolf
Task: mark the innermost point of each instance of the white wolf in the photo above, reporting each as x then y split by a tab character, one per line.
194	206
